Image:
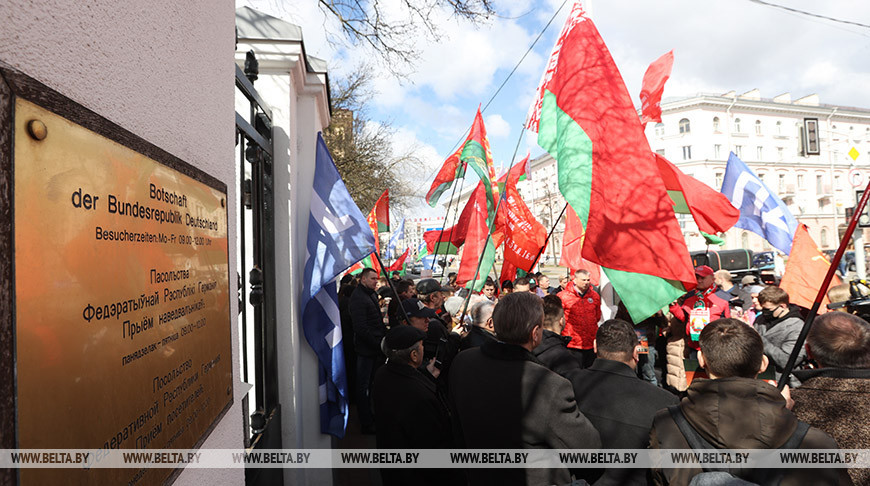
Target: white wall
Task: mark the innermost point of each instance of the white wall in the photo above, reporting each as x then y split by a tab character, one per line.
162	69
300	109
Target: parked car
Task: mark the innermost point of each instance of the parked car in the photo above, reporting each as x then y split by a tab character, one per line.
763	260
428	263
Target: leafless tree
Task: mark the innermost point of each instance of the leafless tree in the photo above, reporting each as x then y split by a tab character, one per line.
391	28
363	150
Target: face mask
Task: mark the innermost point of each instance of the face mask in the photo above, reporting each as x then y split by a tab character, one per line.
767	313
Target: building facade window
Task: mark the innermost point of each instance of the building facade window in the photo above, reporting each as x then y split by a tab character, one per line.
717	151
660	129
715	123
738	151
661	152
781	183
761	176
719	178
744	240
780	153
800	181
737	125
759	153
823	238
684	126
838	183
758	127
819	188
687	152
779	128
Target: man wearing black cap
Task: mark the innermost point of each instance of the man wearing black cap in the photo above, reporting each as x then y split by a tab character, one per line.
431	293
410	414
439	343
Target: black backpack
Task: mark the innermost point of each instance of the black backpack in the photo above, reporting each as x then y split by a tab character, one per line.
762	477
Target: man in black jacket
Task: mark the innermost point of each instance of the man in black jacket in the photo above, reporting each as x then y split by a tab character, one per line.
409	412
369	330
618	403
503	398
553	350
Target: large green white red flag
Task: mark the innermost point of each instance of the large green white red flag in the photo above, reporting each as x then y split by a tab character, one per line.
585	119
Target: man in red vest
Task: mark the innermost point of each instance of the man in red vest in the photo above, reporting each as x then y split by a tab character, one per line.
582	307
700	306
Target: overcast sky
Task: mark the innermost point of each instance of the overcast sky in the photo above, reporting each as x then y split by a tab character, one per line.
718	47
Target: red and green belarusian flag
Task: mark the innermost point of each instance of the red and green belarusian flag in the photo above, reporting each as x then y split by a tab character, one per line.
711	210
381	211
478	244
474	151
379	220
585	119
399	264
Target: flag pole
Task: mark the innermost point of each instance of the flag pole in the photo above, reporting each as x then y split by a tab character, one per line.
799	344
555	223
501	196
396	293
452	227
446	215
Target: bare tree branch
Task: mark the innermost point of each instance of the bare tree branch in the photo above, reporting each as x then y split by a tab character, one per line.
363	150
392	34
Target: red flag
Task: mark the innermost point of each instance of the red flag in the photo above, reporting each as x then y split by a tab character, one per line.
572	248
653	86
378	217
478	229
805	271
508	272
711	209
456	234
397	265
524	236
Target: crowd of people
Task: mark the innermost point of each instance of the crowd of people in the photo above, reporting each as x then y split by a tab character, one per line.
524	365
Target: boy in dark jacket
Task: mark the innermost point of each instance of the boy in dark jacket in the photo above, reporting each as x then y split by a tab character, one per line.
734	410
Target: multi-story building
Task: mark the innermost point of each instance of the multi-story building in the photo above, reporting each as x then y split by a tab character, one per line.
415	227
814	174
697	133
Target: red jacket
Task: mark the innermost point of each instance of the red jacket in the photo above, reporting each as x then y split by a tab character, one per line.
719	309
582	314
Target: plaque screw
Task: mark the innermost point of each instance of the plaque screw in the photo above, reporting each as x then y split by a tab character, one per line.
37	129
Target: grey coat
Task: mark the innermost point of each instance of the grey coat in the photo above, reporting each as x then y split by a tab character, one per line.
503	398
779	338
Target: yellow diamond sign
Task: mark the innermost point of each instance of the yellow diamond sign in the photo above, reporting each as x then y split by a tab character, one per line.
854	153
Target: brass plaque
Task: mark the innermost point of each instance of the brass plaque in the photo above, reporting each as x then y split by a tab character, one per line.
123	333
